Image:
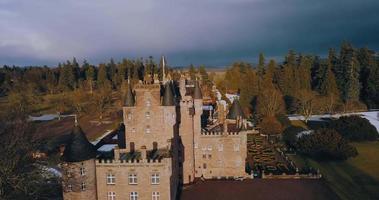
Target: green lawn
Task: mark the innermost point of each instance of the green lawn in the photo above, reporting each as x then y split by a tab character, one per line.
356	178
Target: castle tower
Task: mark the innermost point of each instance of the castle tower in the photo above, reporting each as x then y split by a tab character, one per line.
79	173
198	104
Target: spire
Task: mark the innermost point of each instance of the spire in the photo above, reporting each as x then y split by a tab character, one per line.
129	100
163	66
197	93
78	147
235	110
168	96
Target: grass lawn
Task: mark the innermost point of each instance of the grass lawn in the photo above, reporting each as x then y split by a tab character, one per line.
356	178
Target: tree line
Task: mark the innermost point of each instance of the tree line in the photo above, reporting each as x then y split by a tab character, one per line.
307	84
71	75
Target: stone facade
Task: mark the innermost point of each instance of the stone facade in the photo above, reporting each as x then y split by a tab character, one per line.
79	180
166	146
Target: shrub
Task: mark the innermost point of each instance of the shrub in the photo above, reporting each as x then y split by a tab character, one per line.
289	135
326	144
355	128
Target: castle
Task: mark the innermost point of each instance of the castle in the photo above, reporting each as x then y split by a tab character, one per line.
166	141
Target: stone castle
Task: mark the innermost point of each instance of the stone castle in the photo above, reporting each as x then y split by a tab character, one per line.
166	141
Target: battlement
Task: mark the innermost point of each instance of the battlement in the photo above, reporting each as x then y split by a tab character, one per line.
219	133
147	87
134	162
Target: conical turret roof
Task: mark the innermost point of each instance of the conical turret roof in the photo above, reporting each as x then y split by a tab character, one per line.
78	147
168	96
235	110
197	92
129	99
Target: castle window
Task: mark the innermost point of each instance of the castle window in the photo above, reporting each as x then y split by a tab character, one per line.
129	115
209	156
155	179
133	130
204	165
111	179
155	196
209	148
83	186
82	171
134	196
196	146
236	147
148	102
111	195
204	156
220	147
69	187
132	179
147	115
148	130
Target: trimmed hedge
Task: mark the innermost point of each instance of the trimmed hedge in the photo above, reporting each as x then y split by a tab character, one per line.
326	144
354	128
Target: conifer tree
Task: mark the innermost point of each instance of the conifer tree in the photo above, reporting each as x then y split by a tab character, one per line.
102	77
261	70
90	77
349	67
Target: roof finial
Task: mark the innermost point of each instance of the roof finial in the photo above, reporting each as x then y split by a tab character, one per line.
76	120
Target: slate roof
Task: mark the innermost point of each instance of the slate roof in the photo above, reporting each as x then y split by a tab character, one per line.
78	147
197	92
235	110
129	100
168	96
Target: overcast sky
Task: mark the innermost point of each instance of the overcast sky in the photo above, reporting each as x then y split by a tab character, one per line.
210	32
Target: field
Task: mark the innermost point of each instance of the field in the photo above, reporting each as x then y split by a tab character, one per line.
259	189
356	178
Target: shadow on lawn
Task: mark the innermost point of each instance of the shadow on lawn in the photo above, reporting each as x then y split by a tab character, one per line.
347	181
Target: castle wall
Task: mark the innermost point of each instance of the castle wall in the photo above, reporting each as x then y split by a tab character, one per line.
72	180
220	154
144	186
187	138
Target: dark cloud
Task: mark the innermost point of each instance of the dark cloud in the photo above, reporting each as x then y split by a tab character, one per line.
211	32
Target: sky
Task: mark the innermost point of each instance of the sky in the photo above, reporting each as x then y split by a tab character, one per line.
209	32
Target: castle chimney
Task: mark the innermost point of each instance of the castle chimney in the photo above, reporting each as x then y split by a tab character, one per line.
143	153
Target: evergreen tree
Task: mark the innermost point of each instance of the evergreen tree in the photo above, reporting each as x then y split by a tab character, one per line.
67	77
261	70
349	67
192	72
90	77
368	74
304	73
102	77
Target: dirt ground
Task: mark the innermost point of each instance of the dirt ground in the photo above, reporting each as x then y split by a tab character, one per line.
258	189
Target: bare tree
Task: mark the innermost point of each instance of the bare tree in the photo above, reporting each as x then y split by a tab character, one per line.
102	99
270	102
307	103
